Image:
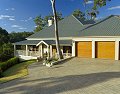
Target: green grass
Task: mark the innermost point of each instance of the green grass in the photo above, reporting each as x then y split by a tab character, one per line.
17	71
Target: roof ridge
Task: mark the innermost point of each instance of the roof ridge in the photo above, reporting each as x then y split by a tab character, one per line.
77	19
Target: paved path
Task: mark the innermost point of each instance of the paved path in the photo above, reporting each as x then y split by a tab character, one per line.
77	76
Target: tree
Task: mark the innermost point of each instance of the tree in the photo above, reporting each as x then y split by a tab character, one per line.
6	51
56	30
4	38
42	22
78	13
39	23
5	47
18	36
93	14
59	17
97	3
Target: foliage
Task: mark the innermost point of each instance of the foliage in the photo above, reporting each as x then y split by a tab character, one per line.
1	73
59	16
41	22
18	36
16	71
6	48
99	3
6	52
78	13
11	62
93	14
3	36
94	11
50	61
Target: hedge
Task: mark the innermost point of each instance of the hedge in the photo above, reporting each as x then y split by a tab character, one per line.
5	65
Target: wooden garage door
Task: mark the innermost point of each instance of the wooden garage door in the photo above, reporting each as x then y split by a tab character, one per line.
84	49
105	50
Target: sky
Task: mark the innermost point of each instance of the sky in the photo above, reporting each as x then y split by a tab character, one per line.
18	15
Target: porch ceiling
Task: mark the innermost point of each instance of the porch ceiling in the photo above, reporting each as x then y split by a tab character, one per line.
62	42
48	42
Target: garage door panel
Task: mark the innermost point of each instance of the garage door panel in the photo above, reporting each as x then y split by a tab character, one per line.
105	50
84	49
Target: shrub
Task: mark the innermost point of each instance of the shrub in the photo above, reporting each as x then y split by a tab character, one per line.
11	62
0	72
6	52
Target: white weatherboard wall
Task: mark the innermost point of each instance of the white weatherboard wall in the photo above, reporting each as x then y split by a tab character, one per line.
116	40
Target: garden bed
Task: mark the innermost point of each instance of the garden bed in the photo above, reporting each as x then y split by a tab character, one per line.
51	62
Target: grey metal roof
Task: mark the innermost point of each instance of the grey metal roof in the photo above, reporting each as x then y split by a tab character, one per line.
49	42
28	42
109	26
62	42
68	27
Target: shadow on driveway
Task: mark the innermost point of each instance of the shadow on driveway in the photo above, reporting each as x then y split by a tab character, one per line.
57	85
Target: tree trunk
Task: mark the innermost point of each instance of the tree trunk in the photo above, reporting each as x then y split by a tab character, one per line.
60	56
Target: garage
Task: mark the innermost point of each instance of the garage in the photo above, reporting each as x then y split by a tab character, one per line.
84	49
105	50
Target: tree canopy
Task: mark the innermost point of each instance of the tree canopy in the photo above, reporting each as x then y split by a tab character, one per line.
18	36
42	22
78	13
39	23
99	3
94	11
4	38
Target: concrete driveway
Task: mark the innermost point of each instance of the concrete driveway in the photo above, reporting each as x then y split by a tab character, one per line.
76	76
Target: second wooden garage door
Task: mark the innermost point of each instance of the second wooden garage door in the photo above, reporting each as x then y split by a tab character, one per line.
105	50
84	49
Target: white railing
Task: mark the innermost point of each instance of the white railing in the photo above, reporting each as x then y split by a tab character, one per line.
65	55
29	53
37	53
20	52
33	53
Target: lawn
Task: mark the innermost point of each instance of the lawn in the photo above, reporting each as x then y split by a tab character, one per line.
16	71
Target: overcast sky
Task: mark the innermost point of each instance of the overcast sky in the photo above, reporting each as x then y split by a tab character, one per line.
18	15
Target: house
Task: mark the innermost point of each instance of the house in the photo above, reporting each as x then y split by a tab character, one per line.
78	37
100	40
